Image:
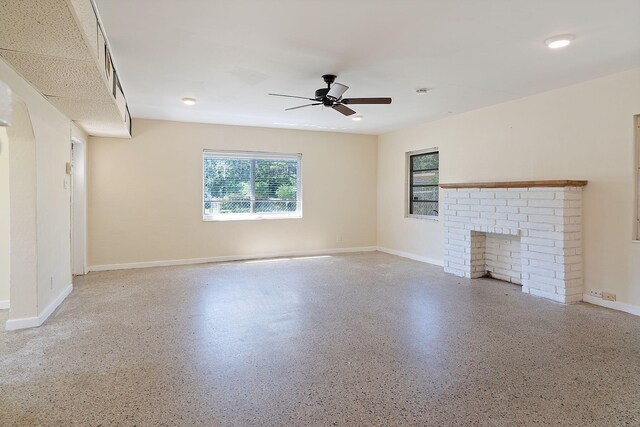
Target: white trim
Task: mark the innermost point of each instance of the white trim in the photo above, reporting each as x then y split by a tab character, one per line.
411	256
614	305
75	189
34	322
250	217
257	155
171	262
407	184
433	218
253	155
4	304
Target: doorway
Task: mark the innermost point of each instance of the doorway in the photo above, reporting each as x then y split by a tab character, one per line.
78	207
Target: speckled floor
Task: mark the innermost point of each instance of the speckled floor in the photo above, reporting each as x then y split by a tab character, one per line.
353	340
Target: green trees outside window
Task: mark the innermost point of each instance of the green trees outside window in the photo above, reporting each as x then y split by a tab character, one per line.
250	185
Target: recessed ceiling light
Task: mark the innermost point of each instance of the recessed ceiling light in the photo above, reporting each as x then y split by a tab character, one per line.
189	101
558	42
356	118
422	91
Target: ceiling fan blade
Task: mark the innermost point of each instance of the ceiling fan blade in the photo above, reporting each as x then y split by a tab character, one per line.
366	101
300	106
336	91
343	109
291	96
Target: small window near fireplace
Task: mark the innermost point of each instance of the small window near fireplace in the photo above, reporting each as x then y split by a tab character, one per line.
423	178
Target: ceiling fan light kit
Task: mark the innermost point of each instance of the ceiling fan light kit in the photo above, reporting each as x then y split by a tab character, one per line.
331	96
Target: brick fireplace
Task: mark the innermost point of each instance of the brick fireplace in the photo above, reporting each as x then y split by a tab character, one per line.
525	232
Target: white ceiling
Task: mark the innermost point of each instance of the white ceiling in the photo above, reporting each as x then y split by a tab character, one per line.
230	53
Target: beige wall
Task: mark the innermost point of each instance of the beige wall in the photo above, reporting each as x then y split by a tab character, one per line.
582	132
44	202
4	217
22	203
145	194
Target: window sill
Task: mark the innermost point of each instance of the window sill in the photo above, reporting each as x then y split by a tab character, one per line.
248	217
424	217
636	241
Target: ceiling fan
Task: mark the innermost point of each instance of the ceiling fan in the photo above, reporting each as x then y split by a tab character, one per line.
331	96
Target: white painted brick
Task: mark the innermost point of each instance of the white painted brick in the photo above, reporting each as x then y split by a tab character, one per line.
564	275
507	209
576	267
468	214
551	266
538	256
508	195
483	208
546	249
517	202
540	289
490	215
483	195
457	195
469	201
536	211
568	243
567	195
547	195
542	274
455	218
458	207
538	241
494	202
546	219
547	257
553	235
544	280
452	230
507	223
546	203
456	226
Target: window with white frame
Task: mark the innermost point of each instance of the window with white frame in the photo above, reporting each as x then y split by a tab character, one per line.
424	176
251	185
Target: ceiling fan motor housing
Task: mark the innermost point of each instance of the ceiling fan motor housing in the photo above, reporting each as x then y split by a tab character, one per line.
321	96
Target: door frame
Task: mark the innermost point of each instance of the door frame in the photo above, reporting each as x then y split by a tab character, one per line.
78	207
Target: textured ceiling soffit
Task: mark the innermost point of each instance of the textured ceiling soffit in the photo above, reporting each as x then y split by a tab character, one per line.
43	27
88	110
59	77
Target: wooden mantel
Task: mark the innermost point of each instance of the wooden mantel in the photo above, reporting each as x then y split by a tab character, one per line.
518	184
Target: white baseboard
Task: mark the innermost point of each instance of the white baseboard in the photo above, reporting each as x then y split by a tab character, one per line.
615	305
34	322
411	256
4	304
171	262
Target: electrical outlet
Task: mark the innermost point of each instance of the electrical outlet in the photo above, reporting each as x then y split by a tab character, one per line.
595	293
608	296
338	239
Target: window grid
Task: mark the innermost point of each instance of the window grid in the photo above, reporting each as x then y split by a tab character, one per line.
241	185
424	184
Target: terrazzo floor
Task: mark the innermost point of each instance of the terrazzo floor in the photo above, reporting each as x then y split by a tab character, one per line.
350	340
